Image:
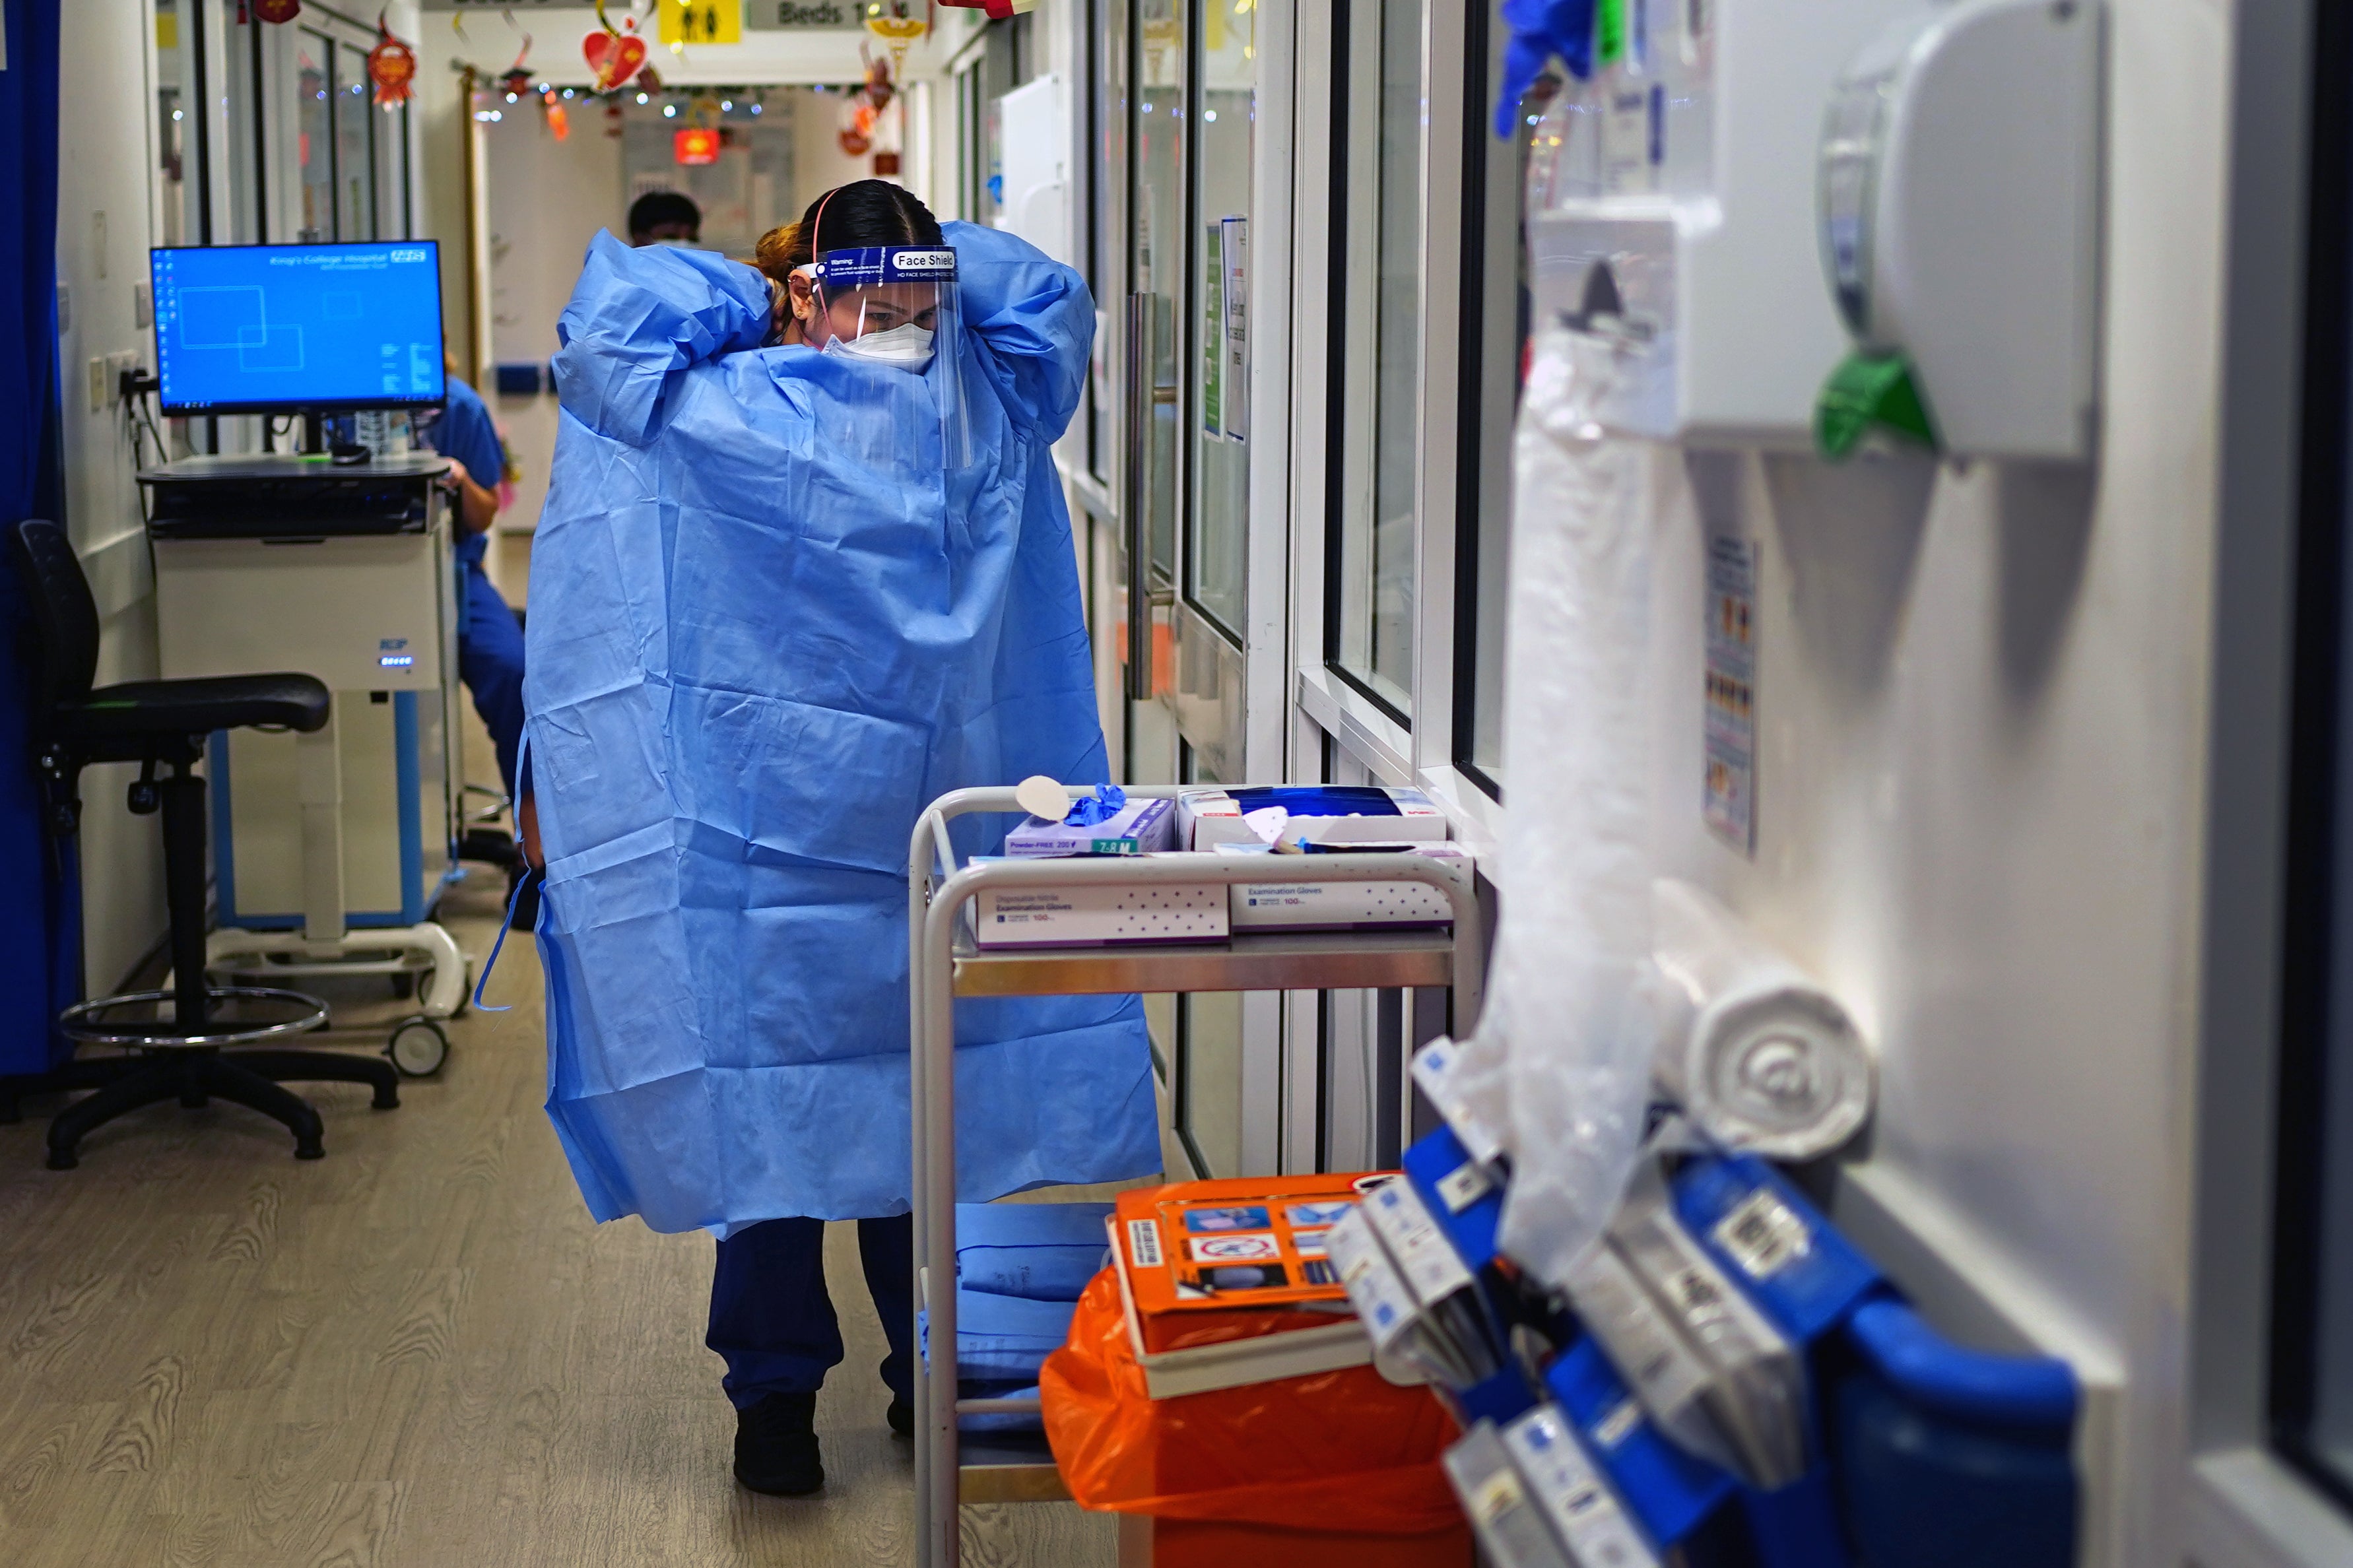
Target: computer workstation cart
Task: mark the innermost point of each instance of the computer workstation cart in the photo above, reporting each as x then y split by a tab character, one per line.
330	850
945	964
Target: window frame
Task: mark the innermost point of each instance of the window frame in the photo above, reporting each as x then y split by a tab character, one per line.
2318	756
1354	301
2246	1500
1485	419
1189	485
1395	748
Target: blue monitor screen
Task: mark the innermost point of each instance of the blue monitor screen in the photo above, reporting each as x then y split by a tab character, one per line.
249	329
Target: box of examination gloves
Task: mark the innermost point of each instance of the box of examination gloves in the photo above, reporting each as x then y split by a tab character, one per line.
1301	901
1137	827
1319	814
1101	916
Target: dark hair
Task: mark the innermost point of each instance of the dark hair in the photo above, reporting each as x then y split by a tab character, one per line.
862	213
655	208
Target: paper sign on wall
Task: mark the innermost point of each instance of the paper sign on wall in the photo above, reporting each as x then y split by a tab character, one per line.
1730	799
1235	232
702	21
1213	332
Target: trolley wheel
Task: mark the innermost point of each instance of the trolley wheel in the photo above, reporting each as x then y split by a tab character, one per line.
417	1047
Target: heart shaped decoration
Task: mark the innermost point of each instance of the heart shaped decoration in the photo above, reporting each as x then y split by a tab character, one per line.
614	58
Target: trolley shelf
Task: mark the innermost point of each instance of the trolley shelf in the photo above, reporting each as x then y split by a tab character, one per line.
1007	1469
1275	961
943	965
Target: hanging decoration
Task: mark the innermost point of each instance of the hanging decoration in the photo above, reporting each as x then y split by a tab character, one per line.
695	146
879	90
995	10
280	11
615	54
856	134
559	118
899	23
876	127
516	79
392	66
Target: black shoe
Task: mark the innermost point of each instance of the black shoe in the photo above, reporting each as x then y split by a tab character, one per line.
775	1445
901	1417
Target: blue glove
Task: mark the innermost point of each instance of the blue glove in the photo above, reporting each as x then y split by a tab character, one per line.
1541	29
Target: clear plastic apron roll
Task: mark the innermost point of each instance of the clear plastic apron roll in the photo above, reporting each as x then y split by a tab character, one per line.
1559	1069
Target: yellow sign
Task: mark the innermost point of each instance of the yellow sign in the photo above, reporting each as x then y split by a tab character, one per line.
702	21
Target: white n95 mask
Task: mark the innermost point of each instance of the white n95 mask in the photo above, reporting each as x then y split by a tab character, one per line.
906	348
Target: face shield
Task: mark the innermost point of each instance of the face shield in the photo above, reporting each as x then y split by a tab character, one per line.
890	311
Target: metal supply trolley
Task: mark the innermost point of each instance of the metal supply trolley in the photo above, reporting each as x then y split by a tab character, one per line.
945	964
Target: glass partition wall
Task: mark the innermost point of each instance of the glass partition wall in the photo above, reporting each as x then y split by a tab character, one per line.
270	135
1383	107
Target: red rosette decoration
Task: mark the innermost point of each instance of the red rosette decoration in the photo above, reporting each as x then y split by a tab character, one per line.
392	66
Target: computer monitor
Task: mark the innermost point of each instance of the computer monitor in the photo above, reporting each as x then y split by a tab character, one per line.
310	328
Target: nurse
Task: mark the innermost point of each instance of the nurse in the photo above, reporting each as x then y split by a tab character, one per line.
785	594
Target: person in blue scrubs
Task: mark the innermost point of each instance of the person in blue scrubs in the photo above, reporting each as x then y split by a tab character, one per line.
489	639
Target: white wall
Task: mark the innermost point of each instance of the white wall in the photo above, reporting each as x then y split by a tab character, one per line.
546	201
105	153
1982	730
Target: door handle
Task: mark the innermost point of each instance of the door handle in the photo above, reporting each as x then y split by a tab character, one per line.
1135	483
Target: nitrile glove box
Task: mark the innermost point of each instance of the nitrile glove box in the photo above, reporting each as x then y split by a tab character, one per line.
1100	916
1139	828
1300	902
1322	814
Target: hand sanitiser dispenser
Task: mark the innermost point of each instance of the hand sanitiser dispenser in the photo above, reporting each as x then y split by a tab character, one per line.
1670	208
1958	178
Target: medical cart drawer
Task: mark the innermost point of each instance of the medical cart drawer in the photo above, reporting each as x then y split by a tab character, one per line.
359	613
1280	961
277	495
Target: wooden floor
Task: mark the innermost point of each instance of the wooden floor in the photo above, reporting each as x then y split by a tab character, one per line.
417	1351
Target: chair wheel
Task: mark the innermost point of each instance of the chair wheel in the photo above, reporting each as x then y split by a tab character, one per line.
63	1160
316	1149
417	1047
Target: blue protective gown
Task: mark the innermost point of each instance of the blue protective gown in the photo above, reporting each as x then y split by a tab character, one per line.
766	630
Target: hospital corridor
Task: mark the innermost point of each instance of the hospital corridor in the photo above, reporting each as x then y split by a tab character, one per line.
1175	783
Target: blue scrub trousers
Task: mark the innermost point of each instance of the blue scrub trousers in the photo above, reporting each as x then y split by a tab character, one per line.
489	659
772	1320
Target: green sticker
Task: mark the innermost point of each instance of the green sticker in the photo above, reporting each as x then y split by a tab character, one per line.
1867	390
1608	32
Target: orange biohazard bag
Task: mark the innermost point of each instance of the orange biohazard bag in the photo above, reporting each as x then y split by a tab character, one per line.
1331	1454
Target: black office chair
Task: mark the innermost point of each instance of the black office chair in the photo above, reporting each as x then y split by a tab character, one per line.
176	1037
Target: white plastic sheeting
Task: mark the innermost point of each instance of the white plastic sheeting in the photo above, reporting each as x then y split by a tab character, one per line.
1762	1058
1558	1074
